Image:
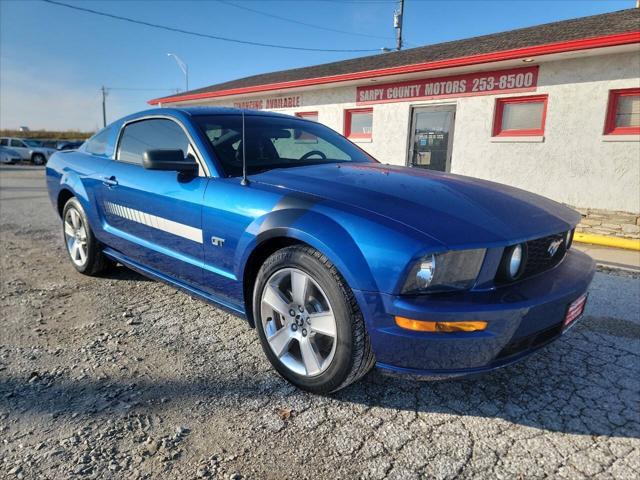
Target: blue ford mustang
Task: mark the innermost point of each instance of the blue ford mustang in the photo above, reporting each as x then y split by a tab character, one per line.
338	261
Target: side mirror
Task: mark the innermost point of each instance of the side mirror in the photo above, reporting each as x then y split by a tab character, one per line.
169	160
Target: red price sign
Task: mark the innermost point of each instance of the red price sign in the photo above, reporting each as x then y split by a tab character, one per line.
523	79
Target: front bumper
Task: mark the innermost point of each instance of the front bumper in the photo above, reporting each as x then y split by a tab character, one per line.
521	318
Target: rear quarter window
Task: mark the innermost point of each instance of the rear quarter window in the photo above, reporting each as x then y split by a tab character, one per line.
100	143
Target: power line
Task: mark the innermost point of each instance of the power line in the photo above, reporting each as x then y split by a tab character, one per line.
291	20
203	35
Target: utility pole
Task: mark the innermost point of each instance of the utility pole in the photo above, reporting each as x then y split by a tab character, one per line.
397	24
104	106
105	91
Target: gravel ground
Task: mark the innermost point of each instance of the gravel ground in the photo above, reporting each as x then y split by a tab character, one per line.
122	377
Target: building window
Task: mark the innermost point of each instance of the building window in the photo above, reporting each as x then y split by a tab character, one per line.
304	137
623	112
520	116
358	123
308	115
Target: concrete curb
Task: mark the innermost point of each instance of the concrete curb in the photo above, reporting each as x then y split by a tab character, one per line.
617	242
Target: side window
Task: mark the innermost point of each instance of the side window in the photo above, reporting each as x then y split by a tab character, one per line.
98	144
153	134
4	142
17	143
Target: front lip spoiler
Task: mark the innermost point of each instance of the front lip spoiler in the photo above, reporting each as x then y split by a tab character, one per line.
435	375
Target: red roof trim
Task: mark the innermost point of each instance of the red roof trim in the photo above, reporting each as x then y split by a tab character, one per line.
546	49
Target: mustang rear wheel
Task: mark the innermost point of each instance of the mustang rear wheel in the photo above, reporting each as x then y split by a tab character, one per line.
83	248
308	321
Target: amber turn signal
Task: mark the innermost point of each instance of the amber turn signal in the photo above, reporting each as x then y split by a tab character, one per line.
422	326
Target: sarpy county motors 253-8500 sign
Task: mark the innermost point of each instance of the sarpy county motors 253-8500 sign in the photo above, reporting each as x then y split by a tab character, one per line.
481	83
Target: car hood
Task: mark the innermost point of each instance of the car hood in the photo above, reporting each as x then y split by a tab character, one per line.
452	209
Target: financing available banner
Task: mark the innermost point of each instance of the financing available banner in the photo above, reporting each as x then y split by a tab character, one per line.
291	101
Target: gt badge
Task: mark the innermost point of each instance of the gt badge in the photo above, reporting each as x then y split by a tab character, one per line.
217	241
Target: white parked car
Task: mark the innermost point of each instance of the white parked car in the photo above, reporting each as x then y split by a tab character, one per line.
28	149
9	156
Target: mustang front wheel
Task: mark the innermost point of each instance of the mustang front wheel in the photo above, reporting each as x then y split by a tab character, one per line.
308	321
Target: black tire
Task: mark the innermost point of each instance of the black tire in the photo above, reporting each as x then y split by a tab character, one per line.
353	356
38	159
95	261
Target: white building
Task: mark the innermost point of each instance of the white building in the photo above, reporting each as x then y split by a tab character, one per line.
554	109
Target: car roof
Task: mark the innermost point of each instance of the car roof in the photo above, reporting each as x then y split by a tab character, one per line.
183	113
201	111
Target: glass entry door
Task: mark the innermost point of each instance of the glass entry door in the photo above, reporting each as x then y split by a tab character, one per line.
432	137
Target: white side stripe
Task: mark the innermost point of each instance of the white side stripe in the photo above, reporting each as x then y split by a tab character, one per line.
153	221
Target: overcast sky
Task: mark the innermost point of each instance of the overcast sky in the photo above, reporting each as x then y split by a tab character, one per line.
53	60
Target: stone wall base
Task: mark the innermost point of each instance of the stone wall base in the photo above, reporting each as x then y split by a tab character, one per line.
606	222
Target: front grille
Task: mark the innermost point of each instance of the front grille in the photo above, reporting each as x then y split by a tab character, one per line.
529	342
538	257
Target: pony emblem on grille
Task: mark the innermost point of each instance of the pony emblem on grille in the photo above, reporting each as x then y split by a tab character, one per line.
553	247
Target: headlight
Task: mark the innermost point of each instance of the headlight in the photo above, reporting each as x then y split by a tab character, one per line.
454	270
424	272
513	262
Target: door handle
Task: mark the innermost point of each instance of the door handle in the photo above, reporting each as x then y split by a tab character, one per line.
110	181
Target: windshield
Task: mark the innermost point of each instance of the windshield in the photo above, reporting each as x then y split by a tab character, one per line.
33	143
275	142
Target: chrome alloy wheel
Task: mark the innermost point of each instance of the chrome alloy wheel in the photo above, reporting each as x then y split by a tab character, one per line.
298	322
75	234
